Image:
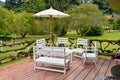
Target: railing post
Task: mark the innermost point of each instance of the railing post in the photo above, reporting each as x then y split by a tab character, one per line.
1	47
12	40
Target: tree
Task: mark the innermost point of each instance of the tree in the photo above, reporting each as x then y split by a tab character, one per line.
103	5
61	5
14	5
3	16
118	23
20	23
60	26
33	6
85	15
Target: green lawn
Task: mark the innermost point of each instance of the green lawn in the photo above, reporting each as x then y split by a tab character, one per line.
106	35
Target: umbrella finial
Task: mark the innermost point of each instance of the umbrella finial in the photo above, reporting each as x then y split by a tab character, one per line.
51	7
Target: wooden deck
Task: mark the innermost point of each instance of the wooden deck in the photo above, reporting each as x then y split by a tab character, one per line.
24	71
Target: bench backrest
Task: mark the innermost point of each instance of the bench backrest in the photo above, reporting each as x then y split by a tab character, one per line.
49	51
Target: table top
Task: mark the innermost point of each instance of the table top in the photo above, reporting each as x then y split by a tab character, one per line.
115	70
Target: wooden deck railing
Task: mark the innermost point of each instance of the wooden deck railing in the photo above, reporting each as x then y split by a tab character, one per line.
20	54
106	47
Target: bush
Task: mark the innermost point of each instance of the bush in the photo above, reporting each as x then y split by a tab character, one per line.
95	31
63	32
59	32
56	30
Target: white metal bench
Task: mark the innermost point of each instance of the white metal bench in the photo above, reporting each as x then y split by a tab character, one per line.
54	56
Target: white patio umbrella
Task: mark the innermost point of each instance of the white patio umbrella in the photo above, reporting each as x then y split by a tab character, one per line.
52	13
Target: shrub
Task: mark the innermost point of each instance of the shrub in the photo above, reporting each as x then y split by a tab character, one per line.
59	31
95	31
56	30
63	32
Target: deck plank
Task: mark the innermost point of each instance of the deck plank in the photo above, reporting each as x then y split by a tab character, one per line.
113	62
118	61
23	70
90	72
56	75
72	68
100	75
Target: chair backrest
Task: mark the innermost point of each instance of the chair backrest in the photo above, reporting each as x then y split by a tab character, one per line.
82	42
41	42
63	41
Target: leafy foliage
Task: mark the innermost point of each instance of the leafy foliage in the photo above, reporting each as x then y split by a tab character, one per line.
3	32
118	23
60	26
61	4
95	31
25	5
13	5
33	6
63	31
85	16
103	5
19	23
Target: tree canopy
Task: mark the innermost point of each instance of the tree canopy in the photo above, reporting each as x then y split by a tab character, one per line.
33	6
86	15
19	23
3	16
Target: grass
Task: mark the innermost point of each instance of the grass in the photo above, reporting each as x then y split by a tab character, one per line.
106	36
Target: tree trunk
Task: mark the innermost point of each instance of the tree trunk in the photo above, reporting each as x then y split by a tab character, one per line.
23	35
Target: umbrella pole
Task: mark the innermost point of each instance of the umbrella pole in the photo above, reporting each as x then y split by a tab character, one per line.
51	33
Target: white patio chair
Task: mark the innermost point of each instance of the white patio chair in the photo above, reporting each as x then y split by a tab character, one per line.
55	57
41	42
91	53
63	41
81	44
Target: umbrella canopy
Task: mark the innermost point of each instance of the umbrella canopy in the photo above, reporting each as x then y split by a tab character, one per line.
52	13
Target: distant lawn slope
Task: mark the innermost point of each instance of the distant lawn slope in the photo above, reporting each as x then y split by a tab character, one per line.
106	35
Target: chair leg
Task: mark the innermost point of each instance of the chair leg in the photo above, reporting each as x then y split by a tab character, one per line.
35	64
94	60
68	65
64	69
84	60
